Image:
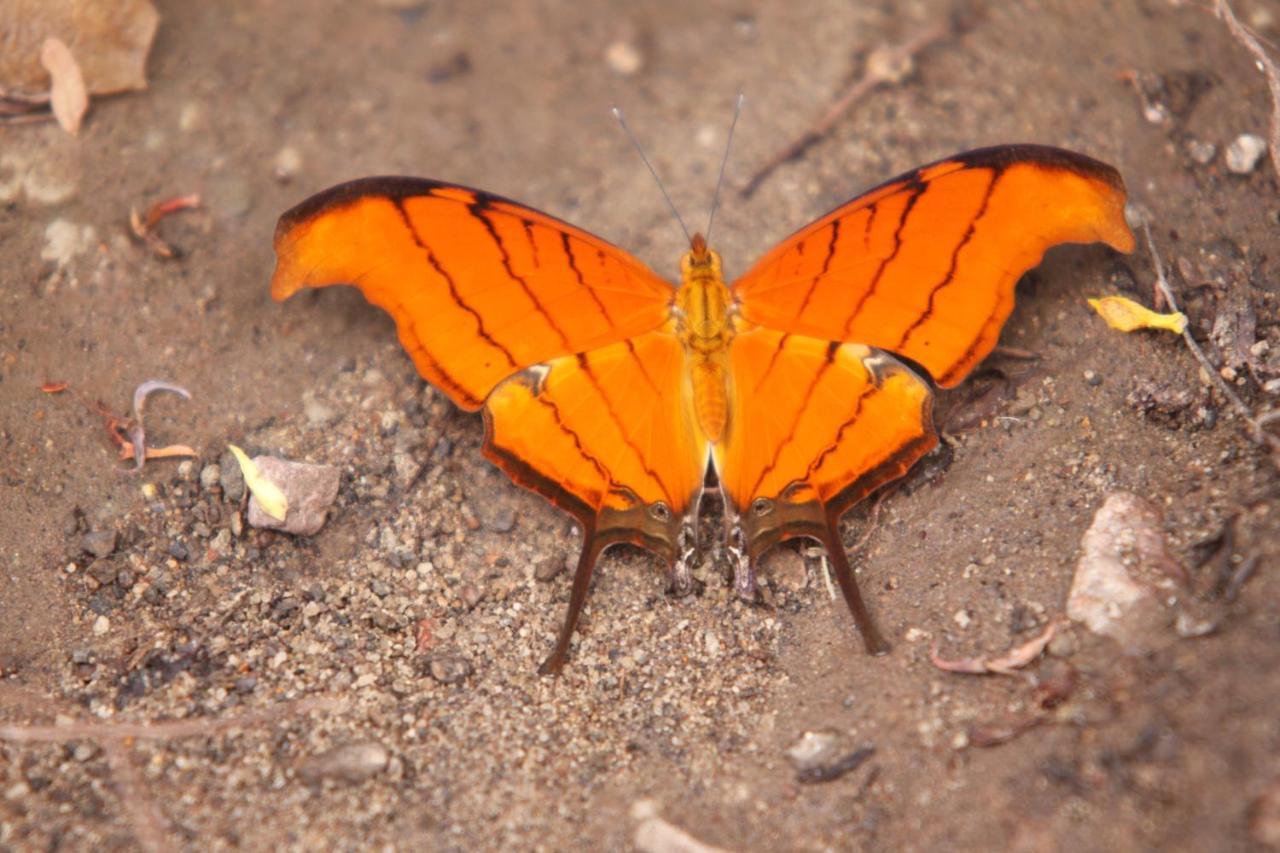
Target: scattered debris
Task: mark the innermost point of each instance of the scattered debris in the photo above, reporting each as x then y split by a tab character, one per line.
1172	407
1123	567
1257	424
1002	731
1240	576
1250	42
1125	315
129	434
64	240
884	65
144	228
68	96
1007	664
352	764
298	499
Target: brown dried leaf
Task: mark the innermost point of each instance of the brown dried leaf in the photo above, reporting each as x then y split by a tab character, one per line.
109	38
68	96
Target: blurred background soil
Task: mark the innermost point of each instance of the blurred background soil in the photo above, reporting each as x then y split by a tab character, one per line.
374	685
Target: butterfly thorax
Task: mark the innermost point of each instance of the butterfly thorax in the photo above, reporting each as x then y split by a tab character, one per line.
703	306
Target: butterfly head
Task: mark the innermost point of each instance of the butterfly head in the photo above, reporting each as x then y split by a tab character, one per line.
700	262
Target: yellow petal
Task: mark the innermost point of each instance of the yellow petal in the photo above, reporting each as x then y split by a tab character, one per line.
1126	315
270	498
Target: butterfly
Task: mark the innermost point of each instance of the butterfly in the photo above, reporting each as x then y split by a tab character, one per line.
805	385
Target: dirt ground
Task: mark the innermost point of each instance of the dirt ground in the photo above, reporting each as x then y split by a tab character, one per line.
375	685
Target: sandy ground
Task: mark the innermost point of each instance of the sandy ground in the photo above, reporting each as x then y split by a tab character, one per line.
406	634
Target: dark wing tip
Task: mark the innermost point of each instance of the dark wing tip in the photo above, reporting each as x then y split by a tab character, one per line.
1003	156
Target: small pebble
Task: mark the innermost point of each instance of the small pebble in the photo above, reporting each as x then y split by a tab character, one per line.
1200	151
813	749
1244	152
101	625
471	595
549	567
449	669
231	477
187	469
288	162
100	543
623	57
210	476
352	764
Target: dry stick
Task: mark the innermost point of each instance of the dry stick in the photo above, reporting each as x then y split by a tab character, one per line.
1256	432
165	729
885	66
1250	42
150	826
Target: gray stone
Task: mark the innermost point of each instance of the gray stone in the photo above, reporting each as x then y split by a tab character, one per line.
100	543
1124	572
1244	152
309	489
449	669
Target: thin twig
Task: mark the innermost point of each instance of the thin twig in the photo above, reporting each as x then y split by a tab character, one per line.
886	65
1245	36
150	826
165	729
1256	432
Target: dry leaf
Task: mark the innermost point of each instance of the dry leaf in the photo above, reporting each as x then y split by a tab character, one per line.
1126	315
270	498
109	38
68	96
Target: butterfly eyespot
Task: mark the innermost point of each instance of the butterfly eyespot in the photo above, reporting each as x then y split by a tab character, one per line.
761	507
660	511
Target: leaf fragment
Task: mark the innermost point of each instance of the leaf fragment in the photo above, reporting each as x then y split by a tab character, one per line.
68	96
270	498
1125	315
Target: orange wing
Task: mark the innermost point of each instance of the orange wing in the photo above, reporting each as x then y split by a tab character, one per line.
480	287
815	426
606	432
818	421
925	265
608	435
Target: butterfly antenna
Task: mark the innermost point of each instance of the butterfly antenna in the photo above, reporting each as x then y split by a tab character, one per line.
617	113
715	199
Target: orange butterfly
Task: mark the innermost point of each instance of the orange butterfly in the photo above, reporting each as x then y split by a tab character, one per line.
805	385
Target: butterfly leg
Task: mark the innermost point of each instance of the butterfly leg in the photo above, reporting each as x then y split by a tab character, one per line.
680	579
871	636
592	546
744	571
